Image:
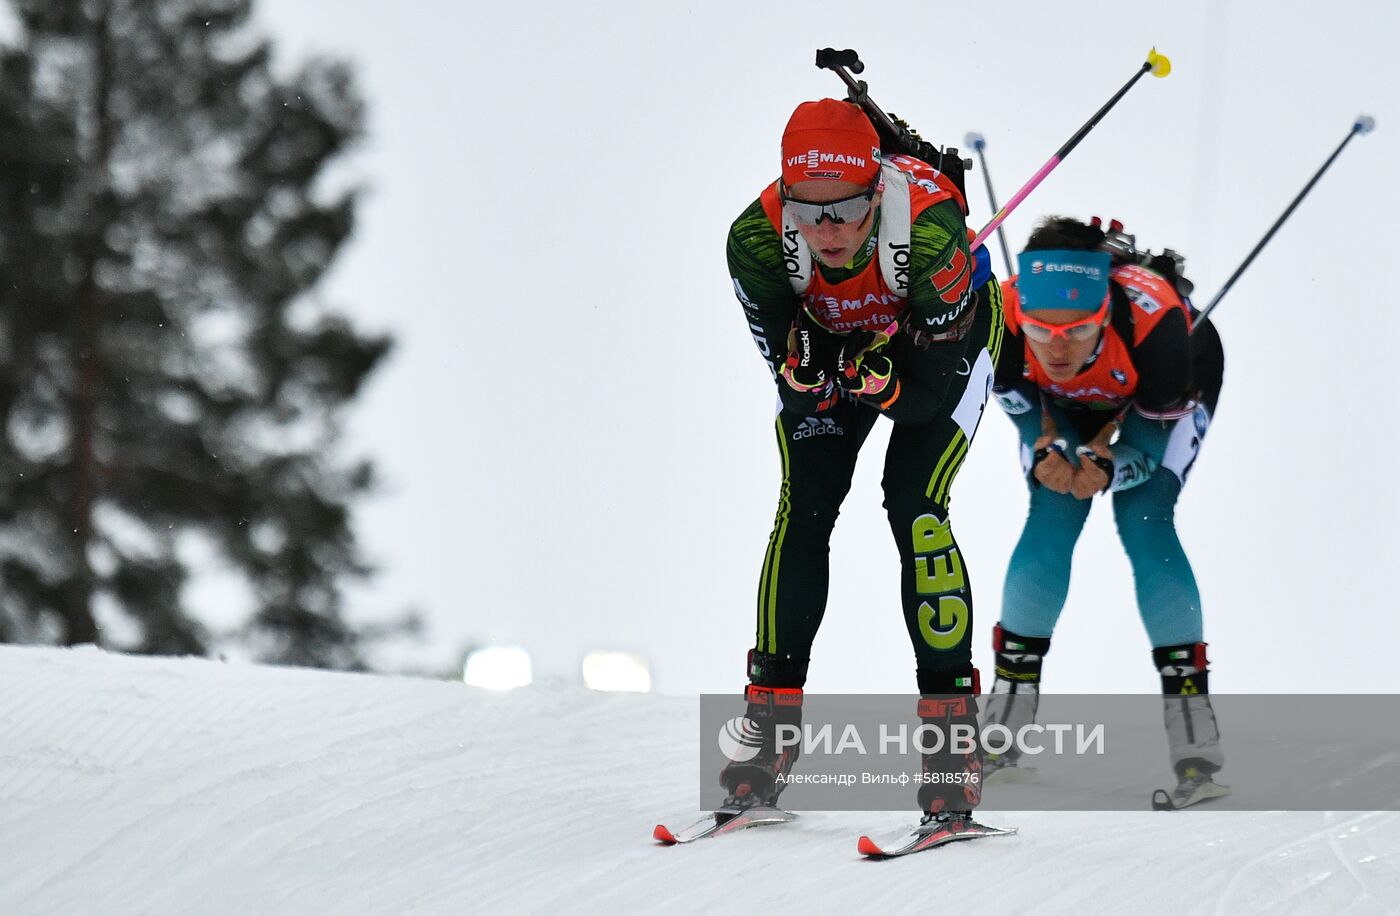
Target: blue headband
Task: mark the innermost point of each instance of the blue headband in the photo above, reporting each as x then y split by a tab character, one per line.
1062	279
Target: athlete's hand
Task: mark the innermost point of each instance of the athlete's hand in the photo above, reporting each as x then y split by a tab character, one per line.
864	368
1095	471
812	355
1095	463
1050	468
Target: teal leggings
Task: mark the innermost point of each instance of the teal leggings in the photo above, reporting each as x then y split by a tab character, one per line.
1037	580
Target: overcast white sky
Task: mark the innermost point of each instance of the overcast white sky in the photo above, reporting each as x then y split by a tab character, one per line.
576	427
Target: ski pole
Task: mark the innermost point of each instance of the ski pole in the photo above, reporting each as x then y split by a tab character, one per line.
1363	124
1156	64
979	143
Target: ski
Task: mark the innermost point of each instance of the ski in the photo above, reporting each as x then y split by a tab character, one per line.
1186	794
722	821
930	836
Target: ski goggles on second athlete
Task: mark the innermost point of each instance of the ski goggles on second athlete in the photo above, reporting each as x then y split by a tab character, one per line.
1075	331
851	209
1062	279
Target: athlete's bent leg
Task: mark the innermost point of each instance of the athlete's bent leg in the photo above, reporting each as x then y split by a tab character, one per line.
818	457
936	593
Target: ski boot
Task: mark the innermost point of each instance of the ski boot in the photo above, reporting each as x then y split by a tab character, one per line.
1192	787
759	780
1015	693
1193	735
952	774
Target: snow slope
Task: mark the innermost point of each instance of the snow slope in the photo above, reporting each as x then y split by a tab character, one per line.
135	785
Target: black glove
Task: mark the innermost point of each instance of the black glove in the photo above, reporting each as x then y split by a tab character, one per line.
812	355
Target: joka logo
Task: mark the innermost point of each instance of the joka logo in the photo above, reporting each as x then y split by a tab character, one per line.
817	426
790	253
900	255
740	739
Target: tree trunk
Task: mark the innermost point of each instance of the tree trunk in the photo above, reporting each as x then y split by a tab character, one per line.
81	625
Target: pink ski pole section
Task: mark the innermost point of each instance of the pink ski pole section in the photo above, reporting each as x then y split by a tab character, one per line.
1015	201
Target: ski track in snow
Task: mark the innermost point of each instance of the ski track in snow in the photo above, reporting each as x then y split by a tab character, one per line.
139	785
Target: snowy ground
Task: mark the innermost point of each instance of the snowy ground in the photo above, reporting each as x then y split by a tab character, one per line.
132	785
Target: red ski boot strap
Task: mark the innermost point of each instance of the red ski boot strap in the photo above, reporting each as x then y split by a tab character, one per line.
943	707
776	696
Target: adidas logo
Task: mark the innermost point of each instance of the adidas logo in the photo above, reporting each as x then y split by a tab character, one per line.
817	426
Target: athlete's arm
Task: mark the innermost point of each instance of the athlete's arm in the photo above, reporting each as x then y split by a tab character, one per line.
940	279
1011	362
1018	398
1163	362
922	377
940	269
761	284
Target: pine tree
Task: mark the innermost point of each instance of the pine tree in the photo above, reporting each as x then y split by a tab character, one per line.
164	374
